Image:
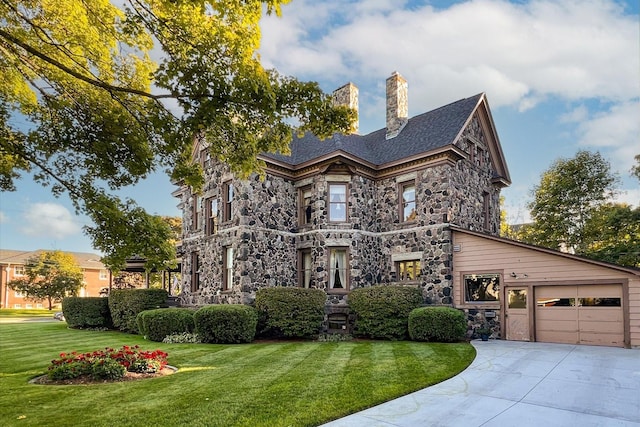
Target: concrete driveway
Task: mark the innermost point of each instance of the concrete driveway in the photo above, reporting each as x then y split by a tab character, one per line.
523	384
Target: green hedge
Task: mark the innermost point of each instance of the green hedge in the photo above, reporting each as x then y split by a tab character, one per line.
226	324
382	312
87	312
157	324
125	304
290	312
439	324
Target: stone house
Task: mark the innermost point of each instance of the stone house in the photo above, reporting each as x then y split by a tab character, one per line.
350	211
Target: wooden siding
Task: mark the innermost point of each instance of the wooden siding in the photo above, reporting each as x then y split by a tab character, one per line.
533	268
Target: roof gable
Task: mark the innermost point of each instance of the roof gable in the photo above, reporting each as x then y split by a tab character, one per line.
84	259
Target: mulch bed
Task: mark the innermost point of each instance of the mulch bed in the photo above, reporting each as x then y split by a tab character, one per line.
128	376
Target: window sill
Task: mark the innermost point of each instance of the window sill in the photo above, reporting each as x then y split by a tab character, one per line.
489	305
407	283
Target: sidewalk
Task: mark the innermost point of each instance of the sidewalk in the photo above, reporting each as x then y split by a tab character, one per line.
13	319
526	385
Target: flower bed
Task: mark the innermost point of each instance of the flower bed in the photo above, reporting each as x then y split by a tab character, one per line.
107	364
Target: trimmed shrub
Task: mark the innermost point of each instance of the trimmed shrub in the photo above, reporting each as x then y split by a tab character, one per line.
226	324
439	324
382	312
290	312
125	304
87	312
156	324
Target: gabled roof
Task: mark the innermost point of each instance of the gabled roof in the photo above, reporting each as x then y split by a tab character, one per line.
623	268
423	134
84	259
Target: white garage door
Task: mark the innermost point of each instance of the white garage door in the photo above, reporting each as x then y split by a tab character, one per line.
582	314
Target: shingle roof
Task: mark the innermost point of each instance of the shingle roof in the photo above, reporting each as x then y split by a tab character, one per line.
84	259
423	133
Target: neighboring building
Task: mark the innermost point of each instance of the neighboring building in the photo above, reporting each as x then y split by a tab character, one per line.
12	266
400	205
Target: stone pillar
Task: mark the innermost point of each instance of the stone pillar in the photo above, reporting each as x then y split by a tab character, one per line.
397	104
347	96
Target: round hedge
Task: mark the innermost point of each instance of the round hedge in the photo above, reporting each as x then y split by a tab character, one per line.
286	312
439	324
87	312
226	324
125	304
155	325
382	311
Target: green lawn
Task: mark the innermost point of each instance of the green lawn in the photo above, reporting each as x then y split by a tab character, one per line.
260	384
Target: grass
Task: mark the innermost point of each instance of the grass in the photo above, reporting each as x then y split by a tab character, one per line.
259	384
27	312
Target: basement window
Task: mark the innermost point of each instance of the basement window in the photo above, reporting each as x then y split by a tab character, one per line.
408	270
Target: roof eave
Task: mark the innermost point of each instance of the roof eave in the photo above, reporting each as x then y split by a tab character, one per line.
542	249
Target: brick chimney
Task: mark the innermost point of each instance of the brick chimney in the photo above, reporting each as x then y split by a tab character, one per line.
397	104
347	95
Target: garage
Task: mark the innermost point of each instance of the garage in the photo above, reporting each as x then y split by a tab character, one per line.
544	295
580	314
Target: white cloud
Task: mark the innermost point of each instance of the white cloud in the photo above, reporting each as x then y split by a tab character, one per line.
518	53
3	217
630	196
576	115
49	220
617	130
571	58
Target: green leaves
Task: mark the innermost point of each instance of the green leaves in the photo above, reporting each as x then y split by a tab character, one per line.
567	196
103	115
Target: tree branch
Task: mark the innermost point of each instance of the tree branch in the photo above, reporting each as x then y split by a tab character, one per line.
97	83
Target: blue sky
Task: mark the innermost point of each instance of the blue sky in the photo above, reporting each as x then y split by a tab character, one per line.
559	76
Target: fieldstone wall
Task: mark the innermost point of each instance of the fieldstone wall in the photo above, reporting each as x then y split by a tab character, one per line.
266	236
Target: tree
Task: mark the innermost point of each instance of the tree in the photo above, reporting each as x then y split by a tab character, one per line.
50	275
635	170
506	230
569	193
614	231
86	111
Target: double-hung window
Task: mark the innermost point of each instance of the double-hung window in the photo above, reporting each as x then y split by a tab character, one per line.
408	201
338	269
211	214
195	271
486	210
227	189
304	203
337	202
195	216
305	267
227	269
